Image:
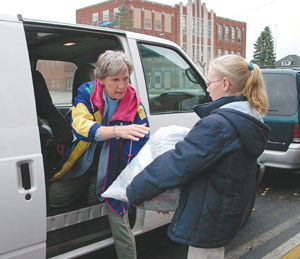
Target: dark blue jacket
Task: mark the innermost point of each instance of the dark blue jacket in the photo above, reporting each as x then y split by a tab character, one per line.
216	167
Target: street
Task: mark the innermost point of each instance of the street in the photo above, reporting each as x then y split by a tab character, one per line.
270	233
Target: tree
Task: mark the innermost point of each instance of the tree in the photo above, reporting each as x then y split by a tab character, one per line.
123	18
264	54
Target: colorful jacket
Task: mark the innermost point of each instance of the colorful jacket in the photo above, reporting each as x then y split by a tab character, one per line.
87	116
216	166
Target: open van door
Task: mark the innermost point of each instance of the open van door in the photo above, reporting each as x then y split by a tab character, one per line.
22	183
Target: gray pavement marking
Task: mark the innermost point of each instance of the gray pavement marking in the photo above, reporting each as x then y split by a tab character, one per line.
284	248
264	237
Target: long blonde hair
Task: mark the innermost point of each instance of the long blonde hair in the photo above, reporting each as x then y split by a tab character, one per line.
246	79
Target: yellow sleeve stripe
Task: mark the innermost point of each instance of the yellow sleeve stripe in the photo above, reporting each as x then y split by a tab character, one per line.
82	119
98	116
141	112
76	153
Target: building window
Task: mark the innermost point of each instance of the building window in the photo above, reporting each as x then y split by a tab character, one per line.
194	26
202	27
184	47
82	19
198	27
197	54
157	25
116	10
227	33
201	54
233	34
220	31
239	37
95	19
184	24
193	54
226	52
69	83
239	53
286	63
148	80
209	29
168	23
105	16
219	52
208	55
232	52
147	23
157	79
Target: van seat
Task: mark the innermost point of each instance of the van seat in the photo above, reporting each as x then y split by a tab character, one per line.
47	110
83	74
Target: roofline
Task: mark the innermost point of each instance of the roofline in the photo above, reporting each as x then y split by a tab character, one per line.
74	25
129	34
92	5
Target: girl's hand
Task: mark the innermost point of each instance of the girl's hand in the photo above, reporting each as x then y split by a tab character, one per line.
140	205
163	212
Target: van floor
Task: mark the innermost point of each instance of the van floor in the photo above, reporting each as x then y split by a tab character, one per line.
86	200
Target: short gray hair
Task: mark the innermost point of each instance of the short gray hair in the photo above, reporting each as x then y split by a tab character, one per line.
111	63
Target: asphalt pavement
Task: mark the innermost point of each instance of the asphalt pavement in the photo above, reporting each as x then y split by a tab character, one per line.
272	231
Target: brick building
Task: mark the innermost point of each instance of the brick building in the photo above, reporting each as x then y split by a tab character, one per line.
200	33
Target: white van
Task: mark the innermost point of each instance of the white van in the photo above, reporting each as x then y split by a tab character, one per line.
41	58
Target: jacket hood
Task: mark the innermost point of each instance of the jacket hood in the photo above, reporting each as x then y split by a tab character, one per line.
203	110
128	104
252	132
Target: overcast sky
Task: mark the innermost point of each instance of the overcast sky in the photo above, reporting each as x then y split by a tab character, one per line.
282	16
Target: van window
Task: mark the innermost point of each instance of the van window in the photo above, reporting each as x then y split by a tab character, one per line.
282	93
59	77
172	85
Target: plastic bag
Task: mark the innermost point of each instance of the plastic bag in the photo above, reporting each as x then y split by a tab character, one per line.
161	141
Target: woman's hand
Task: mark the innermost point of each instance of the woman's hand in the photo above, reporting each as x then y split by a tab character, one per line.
133	131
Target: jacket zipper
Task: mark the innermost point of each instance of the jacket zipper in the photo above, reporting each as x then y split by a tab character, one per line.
174	228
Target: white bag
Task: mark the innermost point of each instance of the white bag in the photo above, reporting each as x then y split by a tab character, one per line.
161	141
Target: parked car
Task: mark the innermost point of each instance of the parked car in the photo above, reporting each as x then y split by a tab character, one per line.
283	148
42	64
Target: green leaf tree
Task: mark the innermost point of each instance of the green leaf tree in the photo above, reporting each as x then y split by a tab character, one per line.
123	18
264	54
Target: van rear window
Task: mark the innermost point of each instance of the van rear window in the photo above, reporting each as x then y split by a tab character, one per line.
282	93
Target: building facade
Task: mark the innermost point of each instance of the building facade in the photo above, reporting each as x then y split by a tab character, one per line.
199	32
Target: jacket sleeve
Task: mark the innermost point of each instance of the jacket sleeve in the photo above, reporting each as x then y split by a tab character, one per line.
82	120
204	145
140	118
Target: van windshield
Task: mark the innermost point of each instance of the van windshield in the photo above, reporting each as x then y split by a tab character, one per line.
282	93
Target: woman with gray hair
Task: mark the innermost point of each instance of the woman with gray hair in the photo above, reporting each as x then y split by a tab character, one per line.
107	109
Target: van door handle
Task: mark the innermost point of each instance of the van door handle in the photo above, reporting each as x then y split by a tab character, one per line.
25	176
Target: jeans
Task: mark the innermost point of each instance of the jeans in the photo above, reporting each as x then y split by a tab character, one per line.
122	234
64	192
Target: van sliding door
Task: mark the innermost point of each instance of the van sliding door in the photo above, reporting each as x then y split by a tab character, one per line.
22	184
